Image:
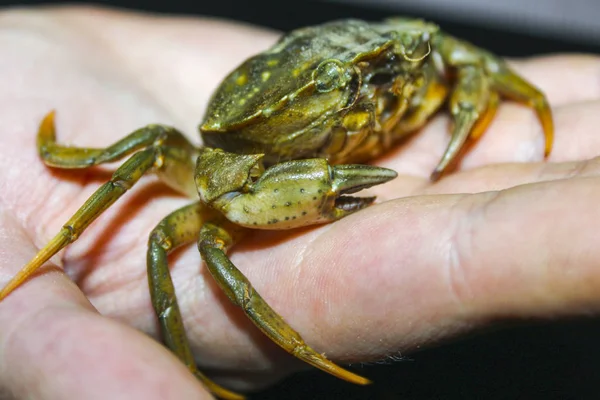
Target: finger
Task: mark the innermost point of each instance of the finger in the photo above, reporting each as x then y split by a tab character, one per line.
503	176
540	256
492	177
53	345
421	269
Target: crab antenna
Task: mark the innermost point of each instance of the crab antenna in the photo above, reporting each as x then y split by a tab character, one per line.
407	58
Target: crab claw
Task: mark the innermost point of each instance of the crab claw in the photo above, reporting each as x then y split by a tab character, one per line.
301	192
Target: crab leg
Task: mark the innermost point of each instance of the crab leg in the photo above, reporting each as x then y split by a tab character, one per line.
155	152
486	118
511	85
215	239
180	227
481	76
467	103
106	195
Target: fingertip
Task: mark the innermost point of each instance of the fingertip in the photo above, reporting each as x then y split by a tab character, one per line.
529	251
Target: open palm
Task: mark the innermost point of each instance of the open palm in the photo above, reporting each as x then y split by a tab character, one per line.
508	234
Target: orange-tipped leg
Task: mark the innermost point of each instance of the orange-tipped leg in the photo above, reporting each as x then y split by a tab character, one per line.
214	241
511	85
54	246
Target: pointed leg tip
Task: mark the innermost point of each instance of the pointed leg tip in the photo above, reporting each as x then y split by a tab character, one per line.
56	244
544	114
49	117
320	361
14	283
360	380
217	389
549	136
46	131
21	277
348	376
355	378
227	395
436	175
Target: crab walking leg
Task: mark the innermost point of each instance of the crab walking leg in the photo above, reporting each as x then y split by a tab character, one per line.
468	103
103	198
172	165
488	116
481	76
215	239
511	85
180	227
57	155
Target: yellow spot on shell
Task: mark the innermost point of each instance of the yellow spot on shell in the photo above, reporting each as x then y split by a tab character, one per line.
357	120
242	79
273	62
265	76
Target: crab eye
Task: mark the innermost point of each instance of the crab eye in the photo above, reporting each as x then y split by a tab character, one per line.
330	75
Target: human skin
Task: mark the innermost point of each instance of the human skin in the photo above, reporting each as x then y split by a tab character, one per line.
508	234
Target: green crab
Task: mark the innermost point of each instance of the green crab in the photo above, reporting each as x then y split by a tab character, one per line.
283	138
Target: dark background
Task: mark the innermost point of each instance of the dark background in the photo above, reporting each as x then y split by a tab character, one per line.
532	361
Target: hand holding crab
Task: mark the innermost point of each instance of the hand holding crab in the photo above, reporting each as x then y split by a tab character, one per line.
362	133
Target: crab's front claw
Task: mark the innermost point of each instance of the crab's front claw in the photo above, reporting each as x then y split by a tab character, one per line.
304	192
301	192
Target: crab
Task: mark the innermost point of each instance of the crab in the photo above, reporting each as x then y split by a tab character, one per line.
284	138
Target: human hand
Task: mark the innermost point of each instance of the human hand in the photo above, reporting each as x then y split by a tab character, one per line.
430	261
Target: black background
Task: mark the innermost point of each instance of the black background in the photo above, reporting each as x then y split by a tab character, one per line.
532	361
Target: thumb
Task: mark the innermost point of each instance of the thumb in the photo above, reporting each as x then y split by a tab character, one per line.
419	269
